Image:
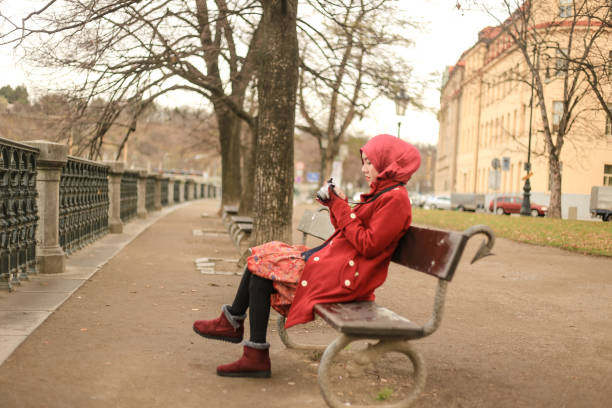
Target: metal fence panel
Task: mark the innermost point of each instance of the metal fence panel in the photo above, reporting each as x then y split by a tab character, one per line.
83	201
129	195
18	212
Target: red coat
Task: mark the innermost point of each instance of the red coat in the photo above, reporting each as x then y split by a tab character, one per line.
356	258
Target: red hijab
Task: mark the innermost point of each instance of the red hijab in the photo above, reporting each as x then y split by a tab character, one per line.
393	158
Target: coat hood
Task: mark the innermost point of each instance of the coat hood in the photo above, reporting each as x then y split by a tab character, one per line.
393	158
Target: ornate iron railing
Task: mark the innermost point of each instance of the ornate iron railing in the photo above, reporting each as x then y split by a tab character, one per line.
150	193
177	191
129	195
83	203
164	192
18	212
212	191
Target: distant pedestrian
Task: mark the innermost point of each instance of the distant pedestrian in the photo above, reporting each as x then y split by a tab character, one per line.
347	267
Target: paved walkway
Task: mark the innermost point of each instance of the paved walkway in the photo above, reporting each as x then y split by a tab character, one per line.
528	327
23	310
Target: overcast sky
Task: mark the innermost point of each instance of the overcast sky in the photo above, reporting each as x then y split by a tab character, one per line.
448	32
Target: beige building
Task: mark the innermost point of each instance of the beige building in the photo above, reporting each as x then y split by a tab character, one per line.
485	112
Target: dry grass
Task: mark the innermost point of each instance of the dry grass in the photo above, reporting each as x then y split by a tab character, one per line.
585	237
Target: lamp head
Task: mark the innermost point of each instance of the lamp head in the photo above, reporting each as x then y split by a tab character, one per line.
401	102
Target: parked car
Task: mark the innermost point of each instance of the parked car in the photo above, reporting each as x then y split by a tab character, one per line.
438	202
467	201
512	205
417	199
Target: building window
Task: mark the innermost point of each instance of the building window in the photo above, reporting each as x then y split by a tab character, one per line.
557	114
607	181
561	61
566	8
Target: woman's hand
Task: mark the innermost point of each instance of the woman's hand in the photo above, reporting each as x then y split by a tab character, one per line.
339	192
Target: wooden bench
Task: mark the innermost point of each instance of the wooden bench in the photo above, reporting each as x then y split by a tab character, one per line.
240	227
227	211
432	251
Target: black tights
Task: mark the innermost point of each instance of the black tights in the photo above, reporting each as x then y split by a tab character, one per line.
254	294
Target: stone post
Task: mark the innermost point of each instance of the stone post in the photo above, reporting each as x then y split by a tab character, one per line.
157	200
170	191
190	190
181	183
115	172
142	194
53	156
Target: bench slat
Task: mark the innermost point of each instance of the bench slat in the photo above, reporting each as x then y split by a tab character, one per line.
241	219
245	227
316	224
230	209
367	319
432	251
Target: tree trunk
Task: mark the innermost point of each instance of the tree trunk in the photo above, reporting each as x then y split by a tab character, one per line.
277	85
229	136
247	201
327	161
554	171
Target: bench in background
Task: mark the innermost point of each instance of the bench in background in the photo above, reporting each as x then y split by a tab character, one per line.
238	227
428	250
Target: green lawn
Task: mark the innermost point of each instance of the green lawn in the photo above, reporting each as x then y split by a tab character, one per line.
585	237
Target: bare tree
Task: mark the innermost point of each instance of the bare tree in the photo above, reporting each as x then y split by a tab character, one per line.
597	64
348	61
131	52
553	42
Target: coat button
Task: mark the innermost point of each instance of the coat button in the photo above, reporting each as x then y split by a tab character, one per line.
347	282
353	216
356	274
352	263
316	258
304	283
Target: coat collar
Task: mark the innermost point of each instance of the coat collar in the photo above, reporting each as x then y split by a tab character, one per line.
378	186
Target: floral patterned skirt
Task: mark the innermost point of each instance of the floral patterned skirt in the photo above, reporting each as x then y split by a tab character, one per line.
283	265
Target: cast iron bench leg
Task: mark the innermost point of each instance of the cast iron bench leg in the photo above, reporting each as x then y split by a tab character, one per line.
365	357
290	343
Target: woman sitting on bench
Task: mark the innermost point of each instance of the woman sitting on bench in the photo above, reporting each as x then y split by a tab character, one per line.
347	267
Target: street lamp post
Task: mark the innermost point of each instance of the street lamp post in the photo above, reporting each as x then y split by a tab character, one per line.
526	206
401	102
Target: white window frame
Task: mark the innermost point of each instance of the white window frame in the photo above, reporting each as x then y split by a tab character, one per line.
607	177
566	8
556	114
561	62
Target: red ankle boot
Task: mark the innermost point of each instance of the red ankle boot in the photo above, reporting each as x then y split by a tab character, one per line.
225	327
255	362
